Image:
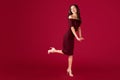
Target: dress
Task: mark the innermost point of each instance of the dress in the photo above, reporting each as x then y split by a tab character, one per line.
68	39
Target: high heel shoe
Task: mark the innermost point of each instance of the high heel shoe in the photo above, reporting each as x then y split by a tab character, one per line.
51	50
70	73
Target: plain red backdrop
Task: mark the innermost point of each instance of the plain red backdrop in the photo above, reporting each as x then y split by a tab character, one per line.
30	27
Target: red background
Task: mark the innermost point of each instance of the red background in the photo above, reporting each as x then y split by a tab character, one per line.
29	27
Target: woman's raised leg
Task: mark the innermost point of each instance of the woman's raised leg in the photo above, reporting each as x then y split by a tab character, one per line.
53	50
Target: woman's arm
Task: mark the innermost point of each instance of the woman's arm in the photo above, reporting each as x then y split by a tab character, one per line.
79	31
74	33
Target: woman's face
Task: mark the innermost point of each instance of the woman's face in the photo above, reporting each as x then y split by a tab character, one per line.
73	9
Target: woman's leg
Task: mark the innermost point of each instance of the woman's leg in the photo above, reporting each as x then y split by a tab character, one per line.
70	60
69	69
53	50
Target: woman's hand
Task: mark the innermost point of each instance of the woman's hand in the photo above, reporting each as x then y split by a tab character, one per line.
80	39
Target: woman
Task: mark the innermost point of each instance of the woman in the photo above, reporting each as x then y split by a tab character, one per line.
68	41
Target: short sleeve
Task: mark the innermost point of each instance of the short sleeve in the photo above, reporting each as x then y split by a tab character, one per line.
71	22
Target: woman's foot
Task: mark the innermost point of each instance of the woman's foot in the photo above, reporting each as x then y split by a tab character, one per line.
51	50
69	72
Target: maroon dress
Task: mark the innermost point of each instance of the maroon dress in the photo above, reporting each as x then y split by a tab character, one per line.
68	40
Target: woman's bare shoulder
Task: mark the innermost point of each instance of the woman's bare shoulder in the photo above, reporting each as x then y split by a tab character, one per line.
70	17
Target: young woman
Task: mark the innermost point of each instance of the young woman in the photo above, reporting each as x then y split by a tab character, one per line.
68	41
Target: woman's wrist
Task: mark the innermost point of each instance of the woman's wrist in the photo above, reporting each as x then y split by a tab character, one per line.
80	36
77	38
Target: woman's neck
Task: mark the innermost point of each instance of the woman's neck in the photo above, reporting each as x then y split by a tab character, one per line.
74	15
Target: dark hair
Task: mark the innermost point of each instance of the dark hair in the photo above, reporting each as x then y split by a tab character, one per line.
78	11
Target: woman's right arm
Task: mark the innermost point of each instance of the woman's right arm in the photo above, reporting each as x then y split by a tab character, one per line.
80	33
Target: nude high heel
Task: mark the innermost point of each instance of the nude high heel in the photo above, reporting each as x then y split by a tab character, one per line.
69	72
51	50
